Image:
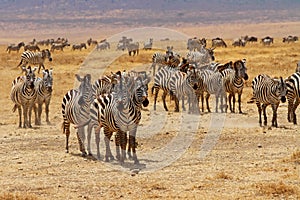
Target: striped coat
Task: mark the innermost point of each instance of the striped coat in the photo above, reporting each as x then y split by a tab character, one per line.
293	95
23	95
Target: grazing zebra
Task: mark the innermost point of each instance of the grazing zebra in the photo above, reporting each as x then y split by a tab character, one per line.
78	46
213	84
103	45
35	58
234	82
268	91
293	95
76	110
184	84
148	45
120	112
29	47
91	41
218	42
15	47
59	46
202	57
23	95
44	93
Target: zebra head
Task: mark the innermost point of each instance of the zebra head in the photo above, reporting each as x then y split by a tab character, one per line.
193	77
46	54
281	89
48	79
298	67
85	89
30	76
121	92
141	90
241	69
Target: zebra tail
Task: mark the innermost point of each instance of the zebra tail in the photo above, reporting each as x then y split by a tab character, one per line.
252	100
152	90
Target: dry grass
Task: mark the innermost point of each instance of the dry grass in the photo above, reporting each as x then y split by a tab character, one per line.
18	196
279	189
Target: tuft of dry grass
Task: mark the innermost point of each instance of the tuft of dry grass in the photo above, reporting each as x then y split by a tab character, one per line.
296	157
12	196
223	175
277	189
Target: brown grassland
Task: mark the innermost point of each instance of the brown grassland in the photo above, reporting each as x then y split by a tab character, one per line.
247	162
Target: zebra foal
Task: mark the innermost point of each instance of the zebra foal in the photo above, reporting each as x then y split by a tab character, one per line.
268	91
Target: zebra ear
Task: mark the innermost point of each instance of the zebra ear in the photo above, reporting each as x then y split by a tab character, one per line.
35	68
78	77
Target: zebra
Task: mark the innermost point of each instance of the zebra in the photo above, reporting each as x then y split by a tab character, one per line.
59	46
120	112
44	93
105	84
202	57
35	58
34	47
91	41
293	95
298	67
195	44
148	45
13	47
103	45
76	110
23	95
266	91
239	42
234	82
162	79
213	83
78	46
184	84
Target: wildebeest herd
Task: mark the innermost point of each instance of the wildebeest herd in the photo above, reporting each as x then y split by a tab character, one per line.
114	102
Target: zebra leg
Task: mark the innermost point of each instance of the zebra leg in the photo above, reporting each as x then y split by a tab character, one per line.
47	112
274	119
97	138
29	115
290	109
153	68
294	111
233	103
123	142
25	116
89	134
207	104
176	104
20	116
81	138
202	102
264	107
66	130
164	100
259	112
132	143
40	106
182	102
156	90
35	114
240	103
217	102
117	142
108	154
230	104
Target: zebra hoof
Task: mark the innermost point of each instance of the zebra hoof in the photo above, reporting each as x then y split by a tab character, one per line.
83	154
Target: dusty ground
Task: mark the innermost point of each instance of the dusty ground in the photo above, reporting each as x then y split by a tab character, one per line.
181	156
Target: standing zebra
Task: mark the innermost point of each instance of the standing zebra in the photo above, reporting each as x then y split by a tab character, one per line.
293	95
234	82
76	110
15	47
162	79
202	57
184	84
35	58
213	84
44	93
23	95
118	112
268	91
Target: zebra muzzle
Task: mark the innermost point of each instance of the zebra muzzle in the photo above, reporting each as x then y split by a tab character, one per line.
50	59
283	99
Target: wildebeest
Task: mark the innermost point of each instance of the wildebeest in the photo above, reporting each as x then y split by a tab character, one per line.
289	39
252	39
78	46
91	41
267	40
239	42
218	42
59	46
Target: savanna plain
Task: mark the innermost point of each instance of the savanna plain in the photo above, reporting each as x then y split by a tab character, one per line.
244	161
